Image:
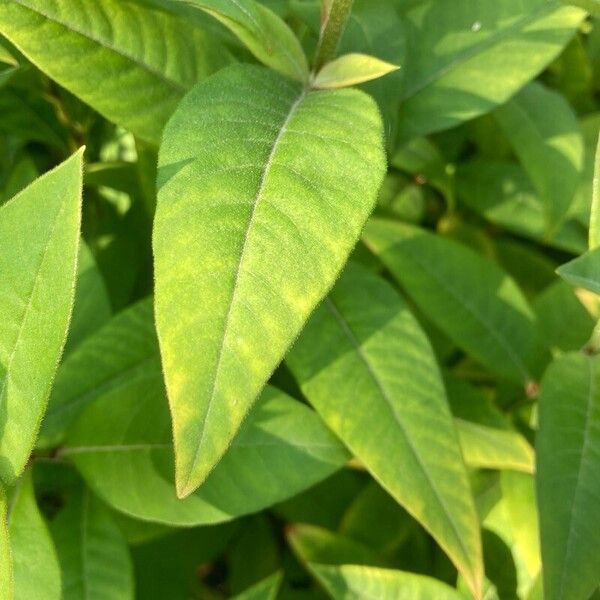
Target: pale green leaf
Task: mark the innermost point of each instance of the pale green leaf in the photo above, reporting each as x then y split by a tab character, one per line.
124	350
549	144
259	204
6	575
568	486
134	76
353	582
367	367
38	259
486	437
36	571
583	271
282	449
468	297
265	34
468	56
94	558
594	235
351	69
263	590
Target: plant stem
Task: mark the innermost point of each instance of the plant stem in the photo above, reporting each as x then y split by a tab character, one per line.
334	15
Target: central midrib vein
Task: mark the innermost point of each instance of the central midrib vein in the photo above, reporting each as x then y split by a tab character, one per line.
257	199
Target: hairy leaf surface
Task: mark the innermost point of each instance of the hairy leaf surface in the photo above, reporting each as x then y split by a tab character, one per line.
38	259
367	367
263	189
134	76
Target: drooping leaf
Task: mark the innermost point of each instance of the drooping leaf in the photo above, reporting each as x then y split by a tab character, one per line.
36	572
351	69
263	590
568	486
353	582
367	367
37	261
94	558
549	144
265	34
491	48
583	271
6	575
282	449
125	350
134	76
256	216
468	297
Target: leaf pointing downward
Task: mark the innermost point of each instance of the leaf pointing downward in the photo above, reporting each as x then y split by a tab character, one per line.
263	189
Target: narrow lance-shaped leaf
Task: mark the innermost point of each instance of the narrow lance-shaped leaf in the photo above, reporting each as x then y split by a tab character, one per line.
282	449
354	582
367	367
266	35
490	49
134	76
38	258
549	144
583	271
35	566
351	69
94	558
260	202
468	297
594	235
568	486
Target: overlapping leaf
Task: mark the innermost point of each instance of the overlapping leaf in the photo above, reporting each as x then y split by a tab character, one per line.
264	187
134	76
367	367
469	298
37	261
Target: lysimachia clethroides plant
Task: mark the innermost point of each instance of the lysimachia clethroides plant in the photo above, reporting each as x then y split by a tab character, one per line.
298	298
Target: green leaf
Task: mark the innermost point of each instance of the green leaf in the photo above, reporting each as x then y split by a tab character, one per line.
502	193
37	260
568	486
92	307
334	16
468	297
353	582
124	350
315	544
282	449
351	69
259	205
6	575
265	34
367	367
592	6
34	562
94	558
594	235
486	437
490	49
583	271
549	144
263	590
134	76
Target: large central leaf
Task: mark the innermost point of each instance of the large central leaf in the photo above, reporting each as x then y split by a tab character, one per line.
264	187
